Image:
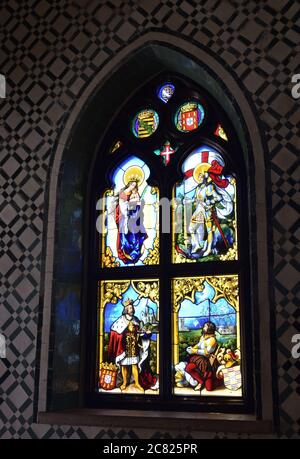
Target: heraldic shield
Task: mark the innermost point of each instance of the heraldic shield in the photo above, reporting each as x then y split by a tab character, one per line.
108	375
232	377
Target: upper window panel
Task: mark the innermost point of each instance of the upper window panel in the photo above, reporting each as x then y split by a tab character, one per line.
204	211
130	224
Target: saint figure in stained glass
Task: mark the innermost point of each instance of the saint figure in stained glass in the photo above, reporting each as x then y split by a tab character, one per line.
129	219
130	233
206	205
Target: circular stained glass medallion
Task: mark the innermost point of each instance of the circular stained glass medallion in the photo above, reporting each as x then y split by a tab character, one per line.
145	123
165	92
189	116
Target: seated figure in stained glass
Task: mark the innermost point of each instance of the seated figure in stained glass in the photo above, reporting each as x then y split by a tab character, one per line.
200	369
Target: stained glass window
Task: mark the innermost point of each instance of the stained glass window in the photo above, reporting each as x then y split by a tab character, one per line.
169	266
204	210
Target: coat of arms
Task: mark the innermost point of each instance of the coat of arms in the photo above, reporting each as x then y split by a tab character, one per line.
108	375
232	377
189	120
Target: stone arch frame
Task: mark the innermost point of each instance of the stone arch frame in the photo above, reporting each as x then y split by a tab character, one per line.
198	63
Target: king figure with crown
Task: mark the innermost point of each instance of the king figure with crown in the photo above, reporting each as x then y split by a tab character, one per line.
125	350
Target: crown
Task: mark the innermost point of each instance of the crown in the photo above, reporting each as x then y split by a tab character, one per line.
188	107
127	302
108	366
133	174
133	178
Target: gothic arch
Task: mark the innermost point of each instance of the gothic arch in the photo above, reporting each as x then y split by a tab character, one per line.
141	60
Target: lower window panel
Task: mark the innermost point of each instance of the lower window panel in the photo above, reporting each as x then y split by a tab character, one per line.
205	346
206	336
129	337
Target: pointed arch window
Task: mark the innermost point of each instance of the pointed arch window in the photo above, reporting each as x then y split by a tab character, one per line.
169	256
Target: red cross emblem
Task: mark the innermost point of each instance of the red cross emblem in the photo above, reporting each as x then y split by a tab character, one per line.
167	152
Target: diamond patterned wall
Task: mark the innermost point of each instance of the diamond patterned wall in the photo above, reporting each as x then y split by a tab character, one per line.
50	52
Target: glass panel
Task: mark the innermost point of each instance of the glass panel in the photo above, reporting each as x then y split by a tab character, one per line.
115	146
204	210
165	152
189	116
66	346
68	245
206	336
221	133
131	218
145	123
129	337
165	92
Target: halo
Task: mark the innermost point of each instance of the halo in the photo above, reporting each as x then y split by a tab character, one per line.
134	173
200	169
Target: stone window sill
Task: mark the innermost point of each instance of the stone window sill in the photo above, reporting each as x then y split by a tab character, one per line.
205	422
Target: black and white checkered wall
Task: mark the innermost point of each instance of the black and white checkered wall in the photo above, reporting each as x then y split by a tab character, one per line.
50	51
